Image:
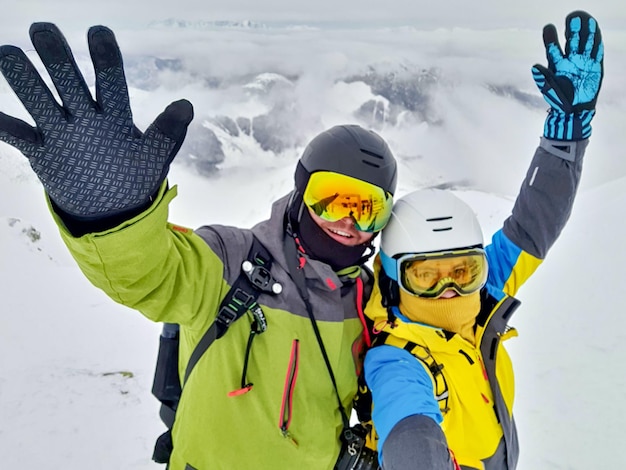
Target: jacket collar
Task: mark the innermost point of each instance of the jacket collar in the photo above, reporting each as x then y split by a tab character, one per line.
271	233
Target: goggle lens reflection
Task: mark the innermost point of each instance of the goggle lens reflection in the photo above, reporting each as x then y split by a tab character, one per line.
430	275
333	196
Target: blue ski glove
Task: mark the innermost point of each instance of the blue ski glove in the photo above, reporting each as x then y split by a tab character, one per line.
92	160
572	80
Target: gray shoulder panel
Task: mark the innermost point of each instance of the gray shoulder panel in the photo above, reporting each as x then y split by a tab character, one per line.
230	244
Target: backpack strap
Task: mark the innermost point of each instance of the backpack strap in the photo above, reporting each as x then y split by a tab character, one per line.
423	354
255	277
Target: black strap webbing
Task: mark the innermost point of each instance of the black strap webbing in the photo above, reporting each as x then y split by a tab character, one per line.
241	296
255	277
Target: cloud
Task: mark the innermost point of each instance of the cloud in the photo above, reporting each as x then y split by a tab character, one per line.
422	13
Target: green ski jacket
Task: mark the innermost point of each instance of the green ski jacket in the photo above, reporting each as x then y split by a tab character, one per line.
289	418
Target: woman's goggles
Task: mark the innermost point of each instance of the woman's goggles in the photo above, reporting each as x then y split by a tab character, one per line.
333	196
430	275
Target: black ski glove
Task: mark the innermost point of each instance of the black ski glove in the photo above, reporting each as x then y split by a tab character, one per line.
571	82
92	160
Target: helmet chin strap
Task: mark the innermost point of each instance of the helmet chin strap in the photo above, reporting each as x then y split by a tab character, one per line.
368	246
319	245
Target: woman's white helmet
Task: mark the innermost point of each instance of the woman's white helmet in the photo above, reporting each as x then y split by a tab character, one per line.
428	221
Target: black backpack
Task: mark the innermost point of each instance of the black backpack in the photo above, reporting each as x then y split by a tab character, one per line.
254	278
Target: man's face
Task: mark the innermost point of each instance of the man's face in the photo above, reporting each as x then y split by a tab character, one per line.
342	231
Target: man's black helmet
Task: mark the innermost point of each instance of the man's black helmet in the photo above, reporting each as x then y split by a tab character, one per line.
352	151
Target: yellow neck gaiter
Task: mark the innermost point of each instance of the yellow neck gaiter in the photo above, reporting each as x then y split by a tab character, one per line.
457	314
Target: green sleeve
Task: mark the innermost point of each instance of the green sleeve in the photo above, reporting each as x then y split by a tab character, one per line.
162	270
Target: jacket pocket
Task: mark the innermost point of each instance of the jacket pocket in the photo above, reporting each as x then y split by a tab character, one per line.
291	376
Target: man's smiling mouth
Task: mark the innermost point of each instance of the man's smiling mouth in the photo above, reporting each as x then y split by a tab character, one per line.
340	232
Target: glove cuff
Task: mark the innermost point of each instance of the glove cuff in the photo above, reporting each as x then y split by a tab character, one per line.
568	127
79	226
570	151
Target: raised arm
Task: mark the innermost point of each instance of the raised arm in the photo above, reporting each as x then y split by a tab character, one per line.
570	85
105	179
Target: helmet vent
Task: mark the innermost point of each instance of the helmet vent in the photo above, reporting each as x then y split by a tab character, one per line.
372	154
371	164
440	219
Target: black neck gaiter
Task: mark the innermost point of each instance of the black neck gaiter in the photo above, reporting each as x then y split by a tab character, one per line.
318	245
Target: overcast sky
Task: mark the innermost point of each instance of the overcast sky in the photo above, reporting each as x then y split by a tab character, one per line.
427	14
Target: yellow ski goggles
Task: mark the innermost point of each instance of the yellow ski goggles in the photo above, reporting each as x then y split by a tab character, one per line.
430	275
333	196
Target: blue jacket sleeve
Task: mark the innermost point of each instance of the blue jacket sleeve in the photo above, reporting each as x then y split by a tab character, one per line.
400	387
509	266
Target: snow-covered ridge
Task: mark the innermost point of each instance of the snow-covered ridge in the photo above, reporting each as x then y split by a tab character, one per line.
210	25
205	24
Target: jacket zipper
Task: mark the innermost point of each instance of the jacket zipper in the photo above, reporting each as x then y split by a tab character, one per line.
290	385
